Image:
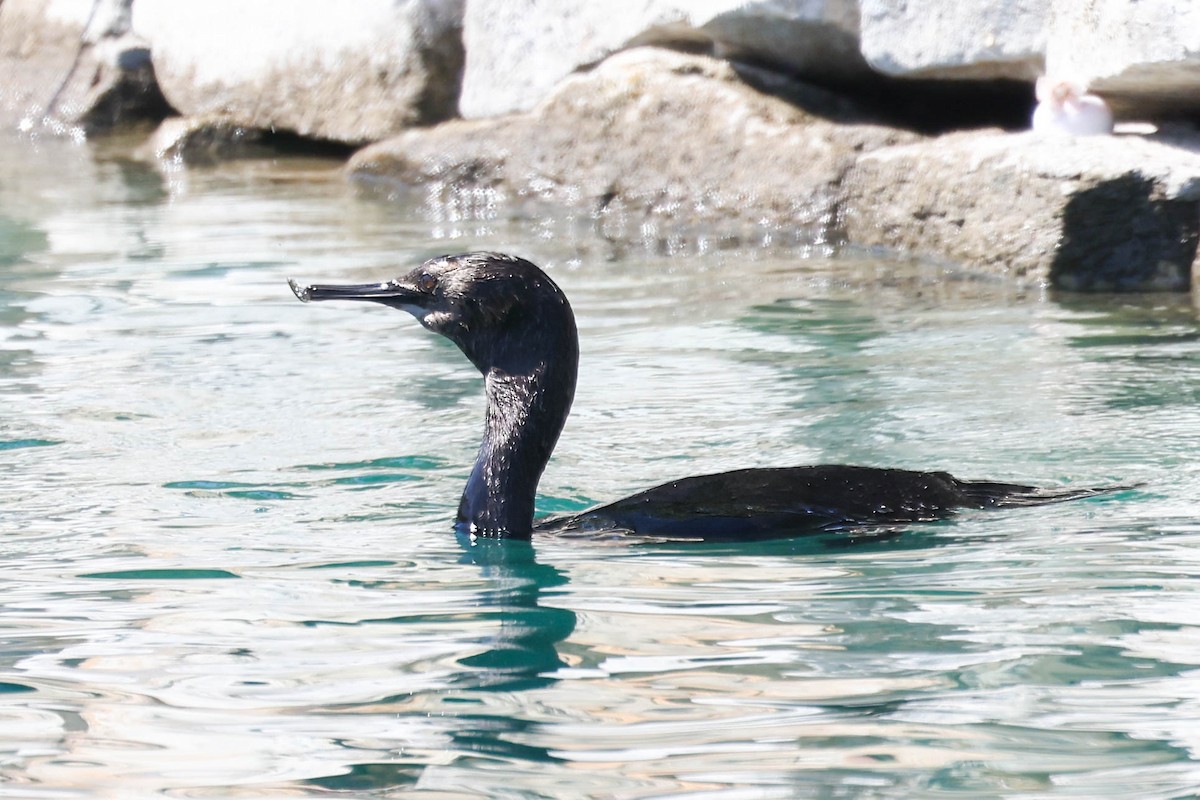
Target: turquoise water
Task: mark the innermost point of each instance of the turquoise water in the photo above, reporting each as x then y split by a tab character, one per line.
227	570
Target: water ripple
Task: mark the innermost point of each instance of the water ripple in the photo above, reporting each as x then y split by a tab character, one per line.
228	569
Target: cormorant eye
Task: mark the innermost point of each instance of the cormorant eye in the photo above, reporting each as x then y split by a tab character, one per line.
427	282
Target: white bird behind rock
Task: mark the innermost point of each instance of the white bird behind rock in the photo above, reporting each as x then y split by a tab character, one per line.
1065	107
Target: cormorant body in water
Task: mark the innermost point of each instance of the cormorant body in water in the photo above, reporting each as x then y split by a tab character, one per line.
516	326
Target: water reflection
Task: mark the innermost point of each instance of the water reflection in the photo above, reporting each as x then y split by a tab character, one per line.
523	655
520	656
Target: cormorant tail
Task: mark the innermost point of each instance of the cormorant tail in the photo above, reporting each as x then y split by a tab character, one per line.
990	494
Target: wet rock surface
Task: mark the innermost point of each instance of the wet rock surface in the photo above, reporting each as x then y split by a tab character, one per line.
649	138
181	141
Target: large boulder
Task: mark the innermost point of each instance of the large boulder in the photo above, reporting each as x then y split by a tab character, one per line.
1095	213
349	72
652	143
1143	57
518	50
986	39
73	65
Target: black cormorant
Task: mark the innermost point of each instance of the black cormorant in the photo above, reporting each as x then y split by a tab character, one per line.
516	326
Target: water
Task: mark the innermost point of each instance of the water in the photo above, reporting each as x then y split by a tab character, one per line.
226	568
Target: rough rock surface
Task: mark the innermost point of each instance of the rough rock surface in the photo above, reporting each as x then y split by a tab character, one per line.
1143	57
1094	213
986	39
73	64
650	140
349	72
518	50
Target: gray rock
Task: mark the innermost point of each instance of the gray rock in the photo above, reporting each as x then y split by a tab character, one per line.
650	145
1094	213
518	50
1143	57
347	72
73	67
986	39
202	140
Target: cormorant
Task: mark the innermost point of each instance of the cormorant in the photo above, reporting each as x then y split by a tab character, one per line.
516	326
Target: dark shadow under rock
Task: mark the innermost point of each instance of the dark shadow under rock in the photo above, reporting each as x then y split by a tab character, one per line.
1120	235
205	140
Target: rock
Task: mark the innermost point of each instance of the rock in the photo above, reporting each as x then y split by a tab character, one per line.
1143	57
346	72
74	66
1110	213
203	140
518	51
651	144
982	40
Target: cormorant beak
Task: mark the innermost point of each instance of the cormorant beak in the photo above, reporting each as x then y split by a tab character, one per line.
391	293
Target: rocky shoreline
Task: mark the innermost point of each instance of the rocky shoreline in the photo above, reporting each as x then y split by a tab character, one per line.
830	122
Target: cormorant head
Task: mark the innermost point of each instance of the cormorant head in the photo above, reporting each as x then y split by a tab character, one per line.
502	311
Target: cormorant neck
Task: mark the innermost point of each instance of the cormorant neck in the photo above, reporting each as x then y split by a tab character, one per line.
526	411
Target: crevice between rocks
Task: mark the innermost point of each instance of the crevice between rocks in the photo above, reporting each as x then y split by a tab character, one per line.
929	107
